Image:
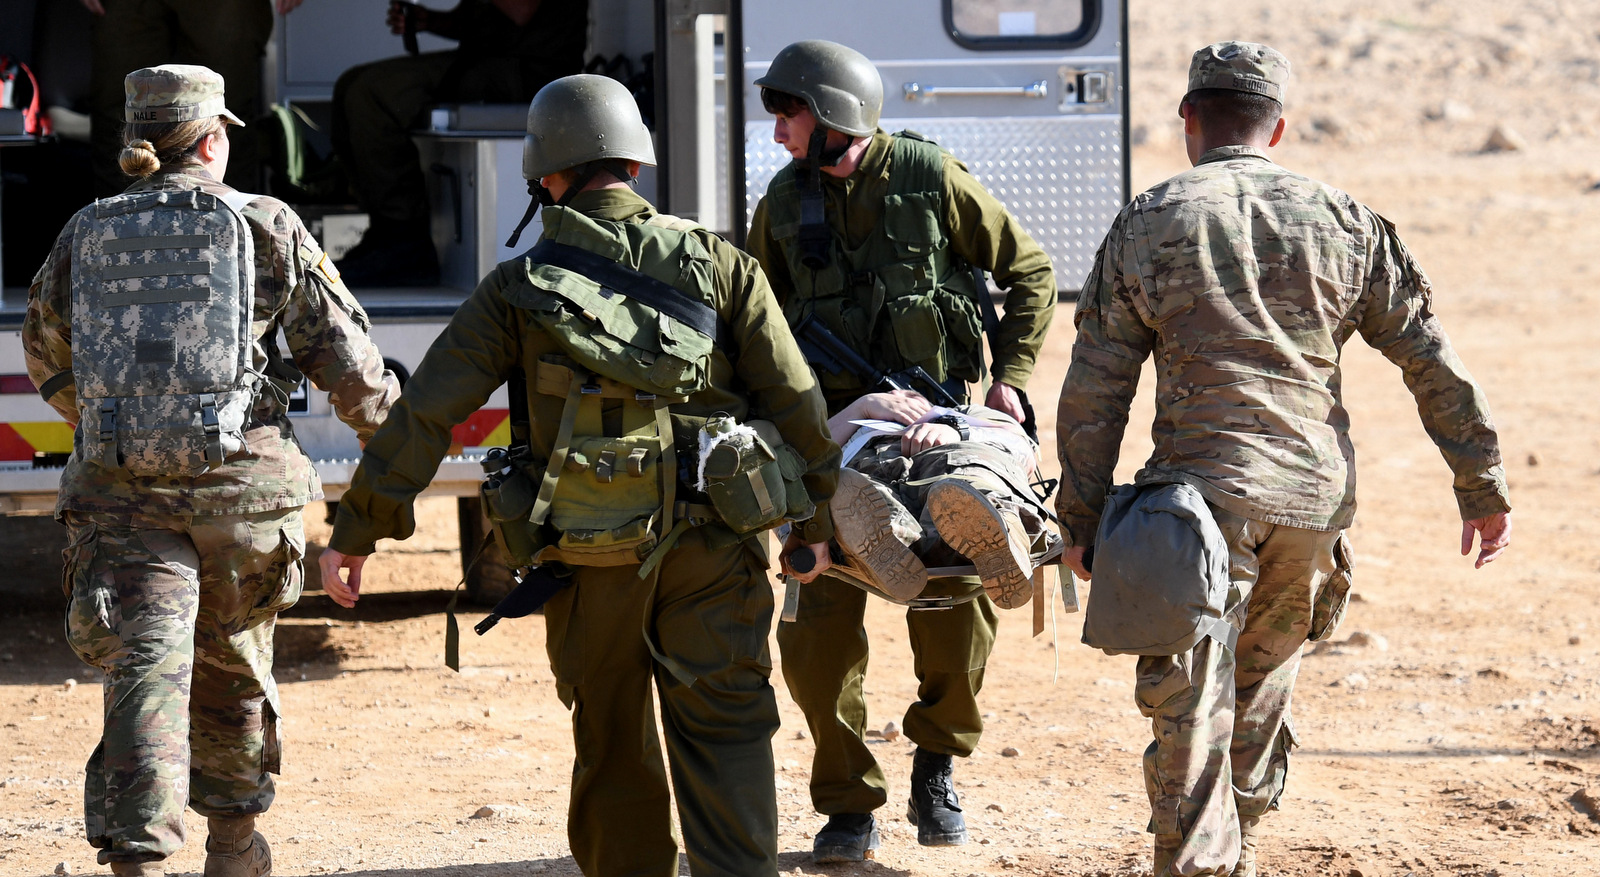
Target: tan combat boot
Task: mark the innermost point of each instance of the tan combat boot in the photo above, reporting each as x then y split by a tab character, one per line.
992	538
863	523
1249	828
235	849
138	869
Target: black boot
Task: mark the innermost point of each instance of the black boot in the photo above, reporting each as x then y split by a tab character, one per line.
935	810
848	837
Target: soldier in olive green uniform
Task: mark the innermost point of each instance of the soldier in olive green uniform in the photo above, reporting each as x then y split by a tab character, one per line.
875	236
1244	280
228	36
705	609
176	577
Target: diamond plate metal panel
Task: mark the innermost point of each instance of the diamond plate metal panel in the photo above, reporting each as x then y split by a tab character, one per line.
1061	178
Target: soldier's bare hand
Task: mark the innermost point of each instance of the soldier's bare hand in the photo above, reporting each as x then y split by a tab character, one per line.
287	6
820	559
1494	537
1073	558
1003	397
343	592
94	6
922	436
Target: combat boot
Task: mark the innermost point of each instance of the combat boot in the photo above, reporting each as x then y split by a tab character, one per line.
992	538
1249	827
863	524
935	810
235	849
848	837
138	869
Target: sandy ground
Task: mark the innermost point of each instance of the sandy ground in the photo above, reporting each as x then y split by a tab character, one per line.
1449	729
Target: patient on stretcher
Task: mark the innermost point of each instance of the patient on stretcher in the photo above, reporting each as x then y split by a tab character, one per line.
926	486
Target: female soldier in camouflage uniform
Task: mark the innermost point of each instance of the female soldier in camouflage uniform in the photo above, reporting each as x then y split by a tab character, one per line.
176	576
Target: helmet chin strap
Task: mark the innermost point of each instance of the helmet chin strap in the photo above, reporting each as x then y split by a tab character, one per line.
816	242
542	197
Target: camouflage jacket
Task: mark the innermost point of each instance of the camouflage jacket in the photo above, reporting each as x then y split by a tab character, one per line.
978	227
296	290
758	373
1244	280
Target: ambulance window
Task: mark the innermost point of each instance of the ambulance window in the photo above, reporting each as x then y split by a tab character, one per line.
1021	24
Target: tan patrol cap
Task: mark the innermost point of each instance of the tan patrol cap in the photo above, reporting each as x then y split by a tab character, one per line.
1239	66
175	93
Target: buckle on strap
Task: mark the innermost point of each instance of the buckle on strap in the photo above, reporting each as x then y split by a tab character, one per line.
213	429
108	420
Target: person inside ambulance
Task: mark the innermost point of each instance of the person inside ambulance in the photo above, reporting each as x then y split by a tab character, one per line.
507	50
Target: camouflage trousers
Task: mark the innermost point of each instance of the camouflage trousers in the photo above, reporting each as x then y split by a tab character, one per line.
178	612
825	652
1221	719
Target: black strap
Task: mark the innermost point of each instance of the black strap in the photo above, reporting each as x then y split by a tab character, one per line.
521	423
662	296
55	384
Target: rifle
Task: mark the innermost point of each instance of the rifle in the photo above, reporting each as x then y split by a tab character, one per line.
825	351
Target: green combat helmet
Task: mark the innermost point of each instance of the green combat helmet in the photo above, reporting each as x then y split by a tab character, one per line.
838	84
581	121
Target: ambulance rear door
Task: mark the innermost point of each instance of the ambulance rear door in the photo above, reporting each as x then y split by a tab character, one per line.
1030	94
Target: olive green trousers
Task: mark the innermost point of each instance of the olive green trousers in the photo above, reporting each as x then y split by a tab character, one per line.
228	36
825	664
710	613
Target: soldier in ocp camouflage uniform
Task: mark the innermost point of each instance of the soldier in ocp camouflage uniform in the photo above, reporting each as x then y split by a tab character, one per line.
175	580
1244	280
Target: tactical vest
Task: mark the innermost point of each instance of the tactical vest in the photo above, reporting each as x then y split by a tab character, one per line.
163	291
903	297
633	343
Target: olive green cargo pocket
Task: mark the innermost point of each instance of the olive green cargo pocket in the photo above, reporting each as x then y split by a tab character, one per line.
1333	596
94	610
742	475
607	501
271	738
918	333
912	222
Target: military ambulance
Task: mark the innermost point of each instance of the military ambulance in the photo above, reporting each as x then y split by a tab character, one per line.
1031	94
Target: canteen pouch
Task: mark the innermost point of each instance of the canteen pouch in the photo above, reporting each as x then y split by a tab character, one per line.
1333	596
743	474
508	494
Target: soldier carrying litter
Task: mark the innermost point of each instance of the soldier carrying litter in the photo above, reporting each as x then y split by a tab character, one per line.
874	237
1244	280
634	340
153	327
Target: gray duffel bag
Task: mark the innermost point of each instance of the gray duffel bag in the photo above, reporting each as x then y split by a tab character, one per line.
1160	574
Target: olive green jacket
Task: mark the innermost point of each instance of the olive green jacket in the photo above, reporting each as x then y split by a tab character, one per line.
758	374
977	227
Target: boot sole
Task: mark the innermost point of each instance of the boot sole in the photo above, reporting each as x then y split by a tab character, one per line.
971	525
862	526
